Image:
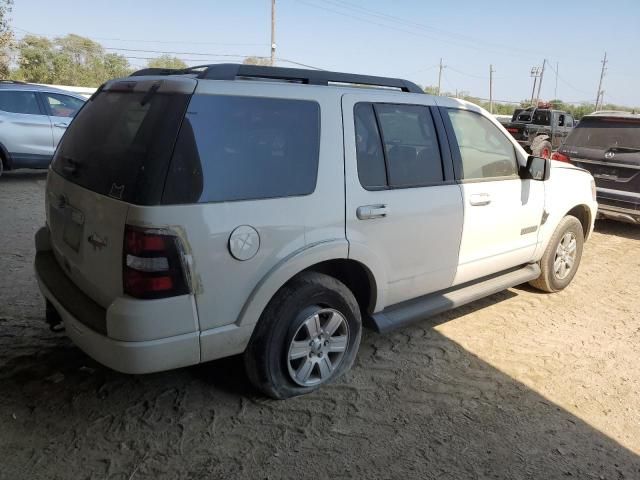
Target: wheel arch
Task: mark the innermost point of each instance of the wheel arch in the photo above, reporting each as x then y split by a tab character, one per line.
583	214
330	258
5	157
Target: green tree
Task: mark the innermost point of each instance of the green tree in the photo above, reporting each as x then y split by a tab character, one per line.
6	37
166	61
68	60
257	61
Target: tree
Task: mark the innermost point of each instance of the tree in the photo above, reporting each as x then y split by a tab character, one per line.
6	37
166	61
257	61
69	60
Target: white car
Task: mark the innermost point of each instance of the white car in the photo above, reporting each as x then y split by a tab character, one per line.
228	209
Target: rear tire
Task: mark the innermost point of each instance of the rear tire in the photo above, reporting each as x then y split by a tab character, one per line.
541	148
307	336
561	259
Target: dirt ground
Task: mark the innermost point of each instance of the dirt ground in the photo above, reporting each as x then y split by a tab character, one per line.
520	385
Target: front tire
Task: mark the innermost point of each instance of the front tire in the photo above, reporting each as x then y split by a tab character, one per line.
561	259
307	337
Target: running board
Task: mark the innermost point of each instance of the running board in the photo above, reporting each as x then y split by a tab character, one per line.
420	308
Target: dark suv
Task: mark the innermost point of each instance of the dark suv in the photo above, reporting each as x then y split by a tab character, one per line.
608	145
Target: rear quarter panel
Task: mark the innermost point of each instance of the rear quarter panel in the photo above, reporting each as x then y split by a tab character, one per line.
223	284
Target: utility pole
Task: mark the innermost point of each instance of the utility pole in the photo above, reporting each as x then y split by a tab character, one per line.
490	88
273	32
600	92
440	76
555	90
544	62
535	73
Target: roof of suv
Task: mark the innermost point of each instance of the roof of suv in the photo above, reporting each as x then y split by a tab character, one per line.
34	87
233	71
614	113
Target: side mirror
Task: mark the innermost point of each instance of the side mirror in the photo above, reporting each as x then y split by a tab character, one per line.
537	168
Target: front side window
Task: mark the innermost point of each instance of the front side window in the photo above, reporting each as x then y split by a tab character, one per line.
244	148
62	105
403	152
19	102
484	150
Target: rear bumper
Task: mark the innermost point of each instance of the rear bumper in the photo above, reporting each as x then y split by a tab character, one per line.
130	336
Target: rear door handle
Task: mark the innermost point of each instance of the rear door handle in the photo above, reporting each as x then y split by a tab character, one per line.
480	199
61	125
368	212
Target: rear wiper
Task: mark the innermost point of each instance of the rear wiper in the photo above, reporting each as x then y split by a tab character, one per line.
624	149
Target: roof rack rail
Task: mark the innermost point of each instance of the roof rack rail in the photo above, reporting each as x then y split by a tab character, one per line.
19	82
233	71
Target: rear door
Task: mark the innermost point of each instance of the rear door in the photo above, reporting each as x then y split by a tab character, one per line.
61	110
403	206
502	212
609	148
116	152
26	129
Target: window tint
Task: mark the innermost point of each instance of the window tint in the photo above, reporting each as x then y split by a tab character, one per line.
121	146
371	169
542	117
241	148
604	133
410	145
62	105
486	152
19	102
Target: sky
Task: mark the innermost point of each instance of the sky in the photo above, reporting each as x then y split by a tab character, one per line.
404	38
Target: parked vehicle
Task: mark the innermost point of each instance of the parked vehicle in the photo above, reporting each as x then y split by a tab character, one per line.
540	130
33	118
608	145
200	213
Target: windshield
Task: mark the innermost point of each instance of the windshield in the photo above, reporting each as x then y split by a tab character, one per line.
605	133
120	144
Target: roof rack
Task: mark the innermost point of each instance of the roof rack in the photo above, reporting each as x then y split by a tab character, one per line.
13	82
233	71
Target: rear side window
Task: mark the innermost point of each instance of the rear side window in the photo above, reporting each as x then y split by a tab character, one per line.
120	144
19	102
605	133
484	150
62	105
403	152
371	169
244	148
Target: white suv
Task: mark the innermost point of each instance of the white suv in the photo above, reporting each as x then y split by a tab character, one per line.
227	209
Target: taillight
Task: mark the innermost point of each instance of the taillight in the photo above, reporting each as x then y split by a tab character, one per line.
560	157
153	264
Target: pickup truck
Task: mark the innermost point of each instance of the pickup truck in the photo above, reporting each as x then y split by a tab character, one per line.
540	130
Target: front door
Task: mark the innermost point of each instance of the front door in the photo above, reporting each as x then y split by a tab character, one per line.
403	208
502	213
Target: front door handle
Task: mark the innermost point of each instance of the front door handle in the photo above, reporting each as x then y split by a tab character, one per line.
61	125
480	199
368	212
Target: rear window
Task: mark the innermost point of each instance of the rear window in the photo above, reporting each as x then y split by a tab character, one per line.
244	148
605	133
120	144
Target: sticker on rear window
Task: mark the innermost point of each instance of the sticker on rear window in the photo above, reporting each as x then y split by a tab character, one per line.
116	191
